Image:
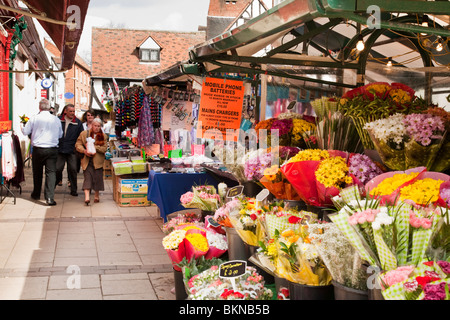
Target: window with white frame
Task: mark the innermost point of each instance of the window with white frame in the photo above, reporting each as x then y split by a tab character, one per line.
149	50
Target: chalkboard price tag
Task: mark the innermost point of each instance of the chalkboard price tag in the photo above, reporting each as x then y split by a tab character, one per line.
232	269
213	223
235	192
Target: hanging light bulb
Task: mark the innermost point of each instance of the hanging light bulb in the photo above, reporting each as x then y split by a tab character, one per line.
389	63
360	44
440	45
424	23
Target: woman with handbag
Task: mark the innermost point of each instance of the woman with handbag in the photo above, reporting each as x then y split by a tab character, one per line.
93	144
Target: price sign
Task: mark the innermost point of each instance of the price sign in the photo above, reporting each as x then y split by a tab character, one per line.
213	223
232	269
235	192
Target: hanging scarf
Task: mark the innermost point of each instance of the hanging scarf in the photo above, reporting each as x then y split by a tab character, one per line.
146	136
8	160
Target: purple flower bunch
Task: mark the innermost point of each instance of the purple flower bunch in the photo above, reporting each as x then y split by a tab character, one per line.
424	127
254	167
283	125
445	195
434	291
363	168
286	153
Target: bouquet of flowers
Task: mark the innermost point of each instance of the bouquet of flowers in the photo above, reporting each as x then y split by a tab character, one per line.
362	169
407	141
181	219
339	256
255	164
291	130
388	236
24	119
376	101
298	259
428	281
417	185
247	222
208	285
222	215
203	197
317	175
273	178
192	241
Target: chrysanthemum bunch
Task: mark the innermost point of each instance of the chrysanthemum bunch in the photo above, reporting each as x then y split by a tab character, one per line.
333	172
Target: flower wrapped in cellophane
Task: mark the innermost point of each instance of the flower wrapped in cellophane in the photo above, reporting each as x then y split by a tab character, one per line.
339	256
192	241
417	185
429	280
388	236
318	175
208	285
298	259
376	101
180	219
273	178
201	197
407	141
248	222
222	215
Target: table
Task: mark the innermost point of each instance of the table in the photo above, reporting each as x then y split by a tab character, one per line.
165	189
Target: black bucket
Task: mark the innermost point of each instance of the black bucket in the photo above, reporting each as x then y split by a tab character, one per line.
304	292
292	204
322	212
180	289
281	283
342	292
251	189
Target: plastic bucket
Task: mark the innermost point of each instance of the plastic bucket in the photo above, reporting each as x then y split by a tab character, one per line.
236	247
304	292
180	289
342	292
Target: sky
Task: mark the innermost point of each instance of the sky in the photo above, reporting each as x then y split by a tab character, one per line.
170	15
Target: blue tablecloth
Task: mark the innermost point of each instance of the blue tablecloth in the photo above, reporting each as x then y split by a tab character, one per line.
165	189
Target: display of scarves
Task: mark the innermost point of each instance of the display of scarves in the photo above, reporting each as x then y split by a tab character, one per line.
146	136
8	157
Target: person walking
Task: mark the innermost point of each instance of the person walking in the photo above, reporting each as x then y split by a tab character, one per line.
87	119
45	130
72	128
92	163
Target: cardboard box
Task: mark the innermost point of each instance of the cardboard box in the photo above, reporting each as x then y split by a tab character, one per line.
132	200
133	186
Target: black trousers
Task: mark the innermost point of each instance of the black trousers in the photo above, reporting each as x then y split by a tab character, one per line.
44	158
71	160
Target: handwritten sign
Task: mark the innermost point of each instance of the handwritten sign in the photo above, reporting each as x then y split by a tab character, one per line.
220	108
235	192
232	269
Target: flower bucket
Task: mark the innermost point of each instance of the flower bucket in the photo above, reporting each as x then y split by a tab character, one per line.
251	189
299	291
250	251
282	288
342	292
321	212
180	289
300	205
236	247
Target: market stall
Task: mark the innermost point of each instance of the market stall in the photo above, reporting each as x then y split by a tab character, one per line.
341	158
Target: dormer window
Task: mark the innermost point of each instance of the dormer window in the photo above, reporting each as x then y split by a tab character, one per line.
149	50
230	2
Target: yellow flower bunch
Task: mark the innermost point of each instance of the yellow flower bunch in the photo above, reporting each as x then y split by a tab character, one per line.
199	241
333	172
400	96
379	88
389	185
173	239
299	127
310	155
271	172
422	191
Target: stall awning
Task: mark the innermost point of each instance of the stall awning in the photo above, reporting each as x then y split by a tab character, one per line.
63	20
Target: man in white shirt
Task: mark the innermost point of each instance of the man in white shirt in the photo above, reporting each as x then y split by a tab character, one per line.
45	130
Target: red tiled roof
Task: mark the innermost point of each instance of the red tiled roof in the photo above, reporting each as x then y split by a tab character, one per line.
220	8
115	54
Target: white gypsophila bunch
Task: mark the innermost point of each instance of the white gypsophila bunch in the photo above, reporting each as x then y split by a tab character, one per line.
391	128
341	259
